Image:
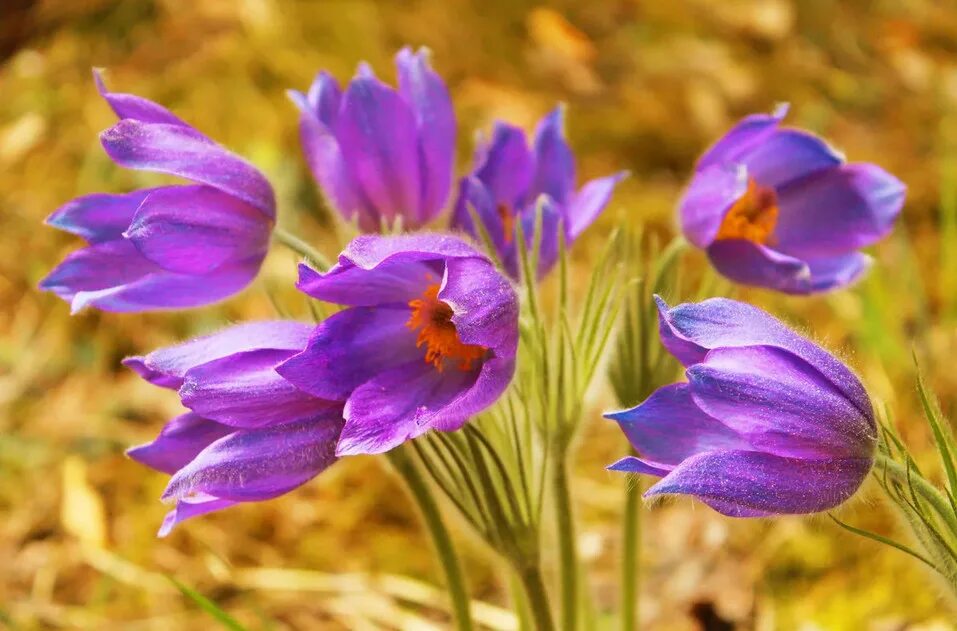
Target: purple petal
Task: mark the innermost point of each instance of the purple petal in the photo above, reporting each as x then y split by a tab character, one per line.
99	266
780	403
837	211
668	427
196	229
741	483
98	217
166	290
135	107
185	152
173	362
426	94
507	166
390	283
748	133
190	507
377	136
690	330
484	305
589	201
706	201
554	162
244	390
474	196
631	464
754	264
252	465
178	443
838	271
788	155
376	270
399	404
349	348
551	226
325	99
319	113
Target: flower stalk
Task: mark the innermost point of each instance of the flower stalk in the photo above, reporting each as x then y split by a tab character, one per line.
441	540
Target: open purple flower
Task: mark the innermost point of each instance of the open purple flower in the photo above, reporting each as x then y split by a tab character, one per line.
249	435
768	422
778	208
427	341
171	246
379	153
510	183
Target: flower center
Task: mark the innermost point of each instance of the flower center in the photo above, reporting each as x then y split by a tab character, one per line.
508	222
752	217
437	333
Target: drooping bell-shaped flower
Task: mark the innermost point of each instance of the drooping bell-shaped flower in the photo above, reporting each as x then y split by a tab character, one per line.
428	338
511	182
767	423
777	207
250	435
169	247
379	153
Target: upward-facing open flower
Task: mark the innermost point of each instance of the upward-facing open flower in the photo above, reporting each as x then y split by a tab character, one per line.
768	423
427	341
510	182
249	435
171	246
379	153
778	208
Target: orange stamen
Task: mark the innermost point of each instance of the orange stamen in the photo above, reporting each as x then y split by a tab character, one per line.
438	334
508	222
753	217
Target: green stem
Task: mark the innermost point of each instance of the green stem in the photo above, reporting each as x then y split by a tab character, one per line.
300	247
926	490
441	539
568	557
531	578
630	557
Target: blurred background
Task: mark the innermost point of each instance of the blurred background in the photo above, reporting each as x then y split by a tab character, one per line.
648	85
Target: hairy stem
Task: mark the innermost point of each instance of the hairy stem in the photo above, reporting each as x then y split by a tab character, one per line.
631	545
454	579
926	490
567	549
531	578
300	247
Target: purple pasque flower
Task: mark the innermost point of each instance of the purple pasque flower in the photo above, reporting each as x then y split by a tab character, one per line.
428	338
168	247
380	153
510	183
777	207
250	435
768	422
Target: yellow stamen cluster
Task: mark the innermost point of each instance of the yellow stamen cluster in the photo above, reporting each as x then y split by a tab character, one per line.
753	217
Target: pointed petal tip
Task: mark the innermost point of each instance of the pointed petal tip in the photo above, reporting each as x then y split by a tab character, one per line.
781	110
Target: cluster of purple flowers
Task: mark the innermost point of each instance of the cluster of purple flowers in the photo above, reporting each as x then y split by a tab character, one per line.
427	338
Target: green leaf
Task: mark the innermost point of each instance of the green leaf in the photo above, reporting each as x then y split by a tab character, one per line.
208	606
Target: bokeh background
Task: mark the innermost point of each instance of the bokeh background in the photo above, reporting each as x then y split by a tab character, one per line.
648	85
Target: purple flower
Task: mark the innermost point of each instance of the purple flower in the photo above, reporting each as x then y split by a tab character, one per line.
427	341
171	246
778	208
379	153
509	181
250	435
768	422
